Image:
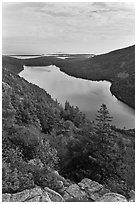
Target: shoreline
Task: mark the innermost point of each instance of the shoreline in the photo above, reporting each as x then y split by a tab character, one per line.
110	81
19	64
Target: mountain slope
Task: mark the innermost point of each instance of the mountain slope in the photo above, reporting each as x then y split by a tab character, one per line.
117	66
39	135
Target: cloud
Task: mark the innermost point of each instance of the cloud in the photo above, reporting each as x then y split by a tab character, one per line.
69	23
55	13
113	6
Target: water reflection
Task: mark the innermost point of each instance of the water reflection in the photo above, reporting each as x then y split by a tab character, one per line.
87	95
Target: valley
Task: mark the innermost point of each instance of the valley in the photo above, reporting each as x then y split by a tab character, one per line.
107	67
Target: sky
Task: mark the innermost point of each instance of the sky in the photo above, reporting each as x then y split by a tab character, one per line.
69	27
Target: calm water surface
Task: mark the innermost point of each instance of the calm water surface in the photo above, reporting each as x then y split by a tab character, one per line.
87	95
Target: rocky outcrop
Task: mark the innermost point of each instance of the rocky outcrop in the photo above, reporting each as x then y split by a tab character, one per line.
85	191
92	191
33	195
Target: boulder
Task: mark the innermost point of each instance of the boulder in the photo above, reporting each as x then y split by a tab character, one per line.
54	196
92	188
74	192
112	197
89	184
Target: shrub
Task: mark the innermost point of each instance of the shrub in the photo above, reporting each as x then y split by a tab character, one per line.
14	180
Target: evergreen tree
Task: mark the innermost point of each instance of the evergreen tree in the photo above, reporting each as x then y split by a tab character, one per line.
102	129
105	148
103	118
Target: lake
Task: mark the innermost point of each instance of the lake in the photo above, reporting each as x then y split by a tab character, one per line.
87	95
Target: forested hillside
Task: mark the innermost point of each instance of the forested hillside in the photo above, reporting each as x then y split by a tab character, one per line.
116	66
40	136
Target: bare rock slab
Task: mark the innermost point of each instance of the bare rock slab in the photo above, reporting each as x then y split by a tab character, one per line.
112	197
74	192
